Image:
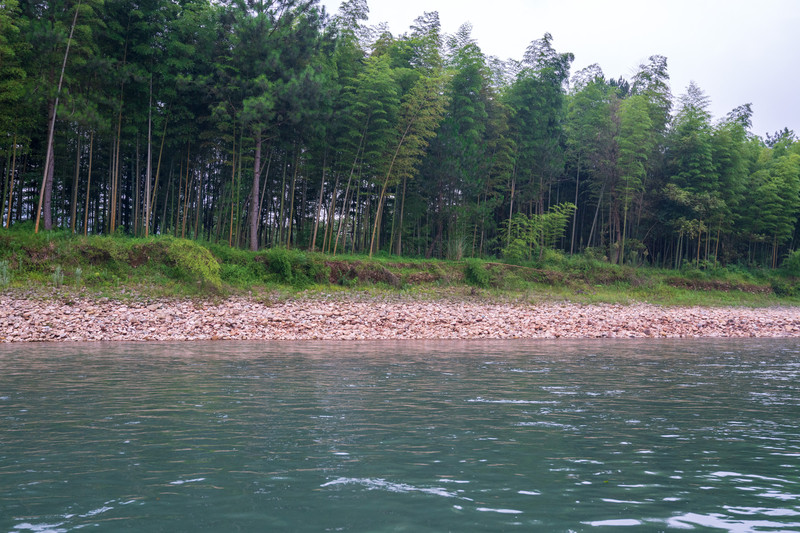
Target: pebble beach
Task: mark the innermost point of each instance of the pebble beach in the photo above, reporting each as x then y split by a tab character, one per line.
374	318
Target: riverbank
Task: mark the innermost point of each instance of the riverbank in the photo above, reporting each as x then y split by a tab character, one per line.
370	317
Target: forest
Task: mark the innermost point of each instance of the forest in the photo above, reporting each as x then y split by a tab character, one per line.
271	123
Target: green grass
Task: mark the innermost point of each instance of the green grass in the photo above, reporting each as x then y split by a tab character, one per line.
166	267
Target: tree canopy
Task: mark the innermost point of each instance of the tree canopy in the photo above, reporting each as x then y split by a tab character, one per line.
273	123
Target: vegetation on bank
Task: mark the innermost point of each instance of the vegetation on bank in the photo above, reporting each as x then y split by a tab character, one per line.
60	263
275	124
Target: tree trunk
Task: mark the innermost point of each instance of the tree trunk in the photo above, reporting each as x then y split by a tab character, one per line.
596	212
166	200
343	220
88	186
187	193
74	204
233	185
575	211
282	204
399	248
261	200
319	203
47	181
149	165
255	210
328	236
136	190
199	207
115	172
378	212
511	200
6	180
239	188
155	185
345	210
46	193
11	182
291	197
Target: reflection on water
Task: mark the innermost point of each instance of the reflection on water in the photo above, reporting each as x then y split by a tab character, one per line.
401	436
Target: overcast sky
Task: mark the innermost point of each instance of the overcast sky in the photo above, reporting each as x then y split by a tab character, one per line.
736	51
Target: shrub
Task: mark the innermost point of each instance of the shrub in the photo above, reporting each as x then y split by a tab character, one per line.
791	265
58	277
295	267
784	288
475	273
5	275
193	262
280	263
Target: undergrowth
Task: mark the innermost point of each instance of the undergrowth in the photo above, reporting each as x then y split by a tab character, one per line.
169	266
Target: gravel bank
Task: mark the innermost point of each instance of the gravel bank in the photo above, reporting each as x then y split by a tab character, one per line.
23	320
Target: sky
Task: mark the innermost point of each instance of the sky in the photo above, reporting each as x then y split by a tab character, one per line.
736	51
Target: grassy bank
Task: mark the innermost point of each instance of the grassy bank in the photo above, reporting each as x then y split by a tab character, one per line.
59	263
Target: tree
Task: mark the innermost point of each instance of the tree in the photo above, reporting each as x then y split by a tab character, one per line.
589	130
456	165
536	99
690	166
274	44
420	113
55	24
636	139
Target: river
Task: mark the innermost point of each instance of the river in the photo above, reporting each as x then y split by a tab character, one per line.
637	435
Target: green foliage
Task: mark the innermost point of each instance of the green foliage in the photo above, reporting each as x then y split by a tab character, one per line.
523	235
279	261
784	288
345	119
191	262
239	268
296	268
348	282
5	275
475	273
791	264
58	277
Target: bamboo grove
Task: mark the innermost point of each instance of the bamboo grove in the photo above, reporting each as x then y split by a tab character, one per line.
265	123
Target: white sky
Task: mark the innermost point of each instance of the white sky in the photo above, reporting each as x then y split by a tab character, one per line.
737	51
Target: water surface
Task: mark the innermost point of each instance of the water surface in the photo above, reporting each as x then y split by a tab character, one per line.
401	436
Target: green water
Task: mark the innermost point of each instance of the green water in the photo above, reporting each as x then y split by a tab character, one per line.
389	436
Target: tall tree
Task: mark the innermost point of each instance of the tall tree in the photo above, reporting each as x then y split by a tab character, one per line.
537	103
636	140
420	114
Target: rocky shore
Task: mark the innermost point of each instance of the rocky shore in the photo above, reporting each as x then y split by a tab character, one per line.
354	317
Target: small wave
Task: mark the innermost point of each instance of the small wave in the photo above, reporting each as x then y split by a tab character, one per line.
619	522
545	425
719	521
762	511
627	502
514	402
723	474
182	481
38	528
382	484
97	511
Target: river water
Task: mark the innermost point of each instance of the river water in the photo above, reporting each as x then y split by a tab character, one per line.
401	436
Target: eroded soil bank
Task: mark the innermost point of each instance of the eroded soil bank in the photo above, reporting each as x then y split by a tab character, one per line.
347	318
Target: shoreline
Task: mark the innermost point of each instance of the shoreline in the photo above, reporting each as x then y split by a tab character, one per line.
375	318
